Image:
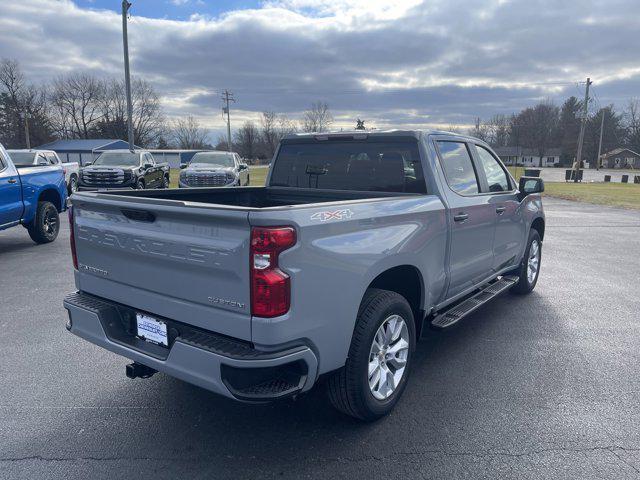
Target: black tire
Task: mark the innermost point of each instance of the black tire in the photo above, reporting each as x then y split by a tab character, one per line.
348	388
248	181
525	286
140	184
73	185
46	225
165	182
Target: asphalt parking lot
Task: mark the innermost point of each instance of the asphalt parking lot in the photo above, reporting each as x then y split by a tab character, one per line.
543	386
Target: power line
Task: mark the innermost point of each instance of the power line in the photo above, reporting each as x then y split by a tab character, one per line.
227	97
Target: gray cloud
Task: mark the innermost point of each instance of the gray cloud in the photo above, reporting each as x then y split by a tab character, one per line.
439	62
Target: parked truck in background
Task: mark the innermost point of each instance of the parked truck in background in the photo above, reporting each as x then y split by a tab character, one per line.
359	243
32	196
24	158
214	169
124	169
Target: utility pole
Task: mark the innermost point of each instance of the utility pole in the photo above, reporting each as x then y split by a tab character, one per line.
600	143
25	115
227	97
585	112
127	74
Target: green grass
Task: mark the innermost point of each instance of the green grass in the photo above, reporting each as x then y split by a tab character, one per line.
625	195
257	176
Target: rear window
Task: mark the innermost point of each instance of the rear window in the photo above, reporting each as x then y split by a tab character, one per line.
23	159
361	165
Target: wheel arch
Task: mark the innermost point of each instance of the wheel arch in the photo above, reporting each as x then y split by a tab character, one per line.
538	225
51	195
405	280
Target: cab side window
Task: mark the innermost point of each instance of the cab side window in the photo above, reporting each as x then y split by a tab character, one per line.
496	176
458	167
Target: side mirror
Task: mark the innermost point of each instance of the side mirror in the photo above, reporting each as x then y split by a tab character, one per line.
147	165
87	164
243	166
183	166
529	185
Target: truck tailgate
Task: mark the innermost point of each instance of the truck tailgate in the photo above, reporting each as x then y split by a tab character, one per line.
183	262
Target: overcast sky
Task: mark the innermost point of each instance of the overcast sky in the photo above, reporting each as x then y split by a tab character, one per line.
403	63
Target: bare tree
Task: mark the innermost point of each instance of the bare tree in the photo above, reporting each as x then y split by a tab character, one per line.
498	131
269	132
285	127
631	117
479	130
148	119
188	134
21	102
247	139
78	100
318	118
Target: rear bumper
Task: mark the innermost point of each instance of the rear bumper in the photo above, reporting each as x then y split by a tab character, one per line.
217	363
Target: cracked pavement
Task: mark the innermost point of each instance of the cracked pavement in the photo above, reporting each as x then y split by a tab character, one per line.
543	386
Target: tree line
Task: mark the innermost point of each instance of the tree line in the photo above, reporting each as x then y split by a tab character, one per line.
545	126
83	106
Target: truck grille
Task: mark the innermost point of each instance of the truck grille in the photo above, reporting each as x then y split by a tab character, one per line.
103	177
207	179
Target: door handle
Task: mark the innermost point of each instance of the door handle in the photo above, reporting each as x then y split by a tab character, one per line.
461	217
500	210
12	180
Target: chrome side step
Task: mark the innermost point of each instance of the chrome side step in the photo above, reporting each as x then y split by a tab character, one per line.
456	313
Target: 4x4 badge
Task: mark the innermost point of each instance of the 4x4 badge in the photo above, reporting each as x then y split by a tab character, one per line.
332	215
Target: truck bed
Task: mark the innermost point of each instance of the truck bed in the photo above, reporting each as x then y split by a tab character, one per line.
245	197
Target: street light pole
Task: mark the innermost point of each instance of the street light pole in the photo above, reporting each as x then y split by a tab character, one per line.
127	74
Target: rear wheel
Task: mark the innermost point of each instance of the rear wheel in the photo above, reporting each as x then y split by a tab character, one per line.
377	368
529	269
46	225
73	185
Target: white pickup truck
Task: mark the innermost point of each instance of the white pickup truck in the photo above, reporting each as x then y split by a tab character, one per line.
24	158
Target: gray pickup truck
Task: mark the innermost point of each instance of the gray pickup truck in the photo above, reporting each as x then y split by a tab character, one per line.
359	244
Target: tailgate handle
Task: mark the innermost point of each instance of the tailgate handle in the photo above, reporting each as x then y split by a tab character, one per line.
139	215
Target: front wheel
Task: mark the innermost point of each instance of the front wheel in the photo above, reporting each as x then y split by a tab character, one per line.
140	184
529	269
46	225
165	182
377	368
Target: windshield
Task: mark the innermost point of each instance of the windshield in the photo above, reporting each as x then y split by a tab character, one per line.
211	158
120	159
377	164
21	159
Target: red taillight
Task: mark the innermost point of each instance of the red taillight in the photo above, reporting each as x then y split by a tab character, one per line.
72	239
270	286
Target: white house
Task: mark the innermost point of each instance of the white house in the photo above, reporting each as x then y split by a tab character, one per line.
528	157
